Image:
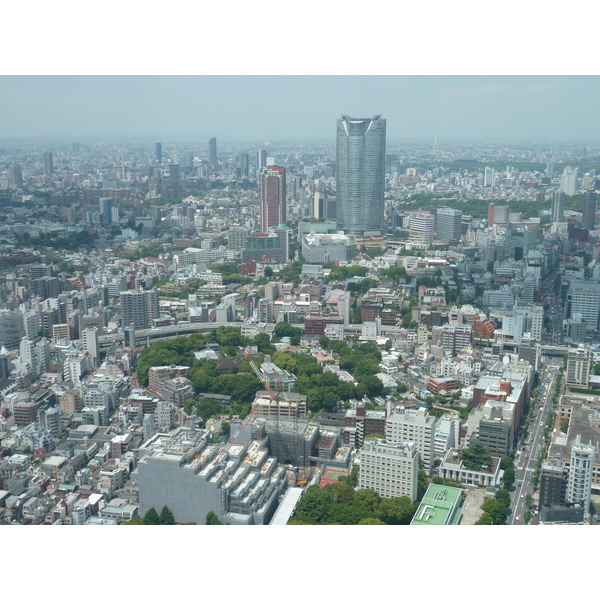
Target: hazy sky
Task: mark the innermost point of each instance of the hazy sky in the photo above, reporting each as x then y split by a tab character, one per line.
272	108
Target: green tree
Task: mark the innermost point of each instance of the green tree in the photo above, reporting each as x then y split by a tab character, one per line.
508	478
485	519
396	511
151	517
496	509
476	456
528	500
314	505
339	492
212	519
370	521
166	516
503	496
367	499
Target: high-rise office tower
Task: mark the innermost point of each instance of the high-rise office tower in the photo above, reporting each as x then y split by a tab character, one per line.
360	175
448	224
244	165
550	170
568	181
106	205
212	153
588	218
558	207
174	174
158	152
15	176
48	163
273	209
581	471
489	177
421	228
261	160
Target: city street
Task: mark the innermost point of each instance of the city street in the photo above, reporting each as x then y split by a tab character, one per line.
526	458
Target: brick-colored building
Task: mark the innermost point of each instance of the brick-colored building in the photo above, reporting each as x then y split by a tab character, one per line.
441	385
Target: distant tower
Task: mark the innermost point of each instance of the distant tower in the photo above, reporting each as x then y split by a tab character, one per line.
106	205
15	176
360	173
174	174
491	214
244	165
261	160
489	177
122	165
568	181
273	210
588	218
48	163
212	153
558	207
158	152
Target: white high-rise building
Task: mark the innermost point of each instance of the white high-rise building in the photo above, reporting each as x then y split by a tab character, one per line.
422	227
489	177
583	299
537	323
568	181
89	339
581	469
27	355
391	469
513	324
418	426
32	323
578	366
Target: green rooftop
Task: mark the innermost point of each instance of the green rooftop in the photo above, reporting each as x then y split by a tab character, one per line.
440	506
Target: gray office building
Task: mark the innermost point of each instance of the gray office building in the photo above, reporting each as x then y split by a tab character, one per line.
448	224
360	175
557	207
588	217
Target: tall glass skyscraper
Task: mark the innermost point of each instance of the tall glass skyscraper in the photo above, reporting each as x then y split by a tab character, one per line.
360	174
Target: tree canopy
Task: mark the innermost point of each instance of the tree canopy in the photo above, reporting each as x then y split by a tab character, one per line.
476	456
338	503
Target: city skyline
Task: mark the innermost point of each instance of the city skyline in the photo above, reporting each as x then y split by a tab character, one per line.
299	107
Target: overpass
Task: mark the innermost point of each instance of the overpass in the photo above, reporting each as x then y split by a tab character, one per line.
149	335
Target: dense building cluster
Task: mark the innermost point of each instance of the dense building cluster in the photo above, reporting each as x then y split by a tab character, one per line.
469	273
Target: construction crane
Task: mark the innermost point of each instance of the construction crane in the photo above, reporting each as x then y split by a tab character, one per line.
274	398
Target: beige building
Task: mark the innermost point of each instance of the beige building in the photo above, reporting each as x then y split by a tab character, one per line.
391	469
